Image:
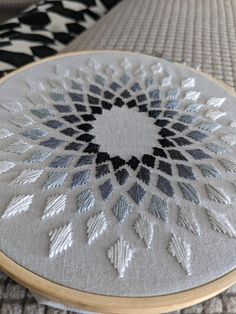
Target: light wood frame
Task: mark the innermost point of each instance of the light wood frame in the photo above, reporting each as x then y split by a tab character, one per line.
110	304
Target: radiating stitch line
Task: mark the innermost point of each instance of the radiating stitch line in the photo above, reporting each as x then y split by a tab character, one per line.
17	205
61	240
28	176
55	204
120	254
95	226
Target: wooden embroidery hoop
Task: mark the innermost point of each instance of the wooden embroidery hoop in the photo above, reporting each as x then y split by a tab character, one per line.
110	304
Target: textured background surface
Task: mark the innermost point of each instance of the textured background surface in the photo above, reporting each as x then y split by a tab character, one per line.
179	30
10	8
14	299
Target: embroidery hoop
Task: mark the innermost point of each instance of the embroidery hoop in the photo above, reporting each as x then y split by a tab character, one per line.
111	304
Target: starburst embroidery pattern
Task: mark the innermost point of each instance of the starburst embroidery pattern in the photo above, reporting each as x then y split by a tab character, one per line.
55	137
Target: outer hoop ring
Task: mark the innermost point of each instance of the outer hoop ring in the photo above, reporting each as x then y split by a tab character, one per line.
110	304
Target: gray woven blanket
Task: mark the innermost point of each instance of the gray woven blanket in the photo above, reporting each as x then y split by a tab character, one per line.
10	8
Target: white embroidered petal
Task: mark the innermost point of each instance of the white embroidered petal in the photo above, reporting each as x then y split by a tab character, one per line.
209	126
22	120
61	240
17	205
166	81
229	139
156	68
187	220
215	102
39	156
172	93
36	86
28	176
125	64
58	84
5	133
95	226
217	195
19	147
83	75
55	205
192	95
188	82
62	70
12	106
181	250
217	149
193	107
109	70
144	229
220	223
6	165
120	254
94	64
232	125
228	165
55	180
189	192
139	72
38	99
214	115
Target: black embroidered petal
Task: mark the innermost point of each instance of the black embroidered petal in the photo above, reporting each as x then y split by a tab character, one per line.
102	157
166	132
133	163
92	148
176	155
132	103
162	122
149	160
166	143
159	152
117	162
85	137
85	127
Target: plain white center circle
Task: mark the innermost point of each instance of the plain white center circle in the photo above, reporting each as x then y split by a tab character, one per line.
125	132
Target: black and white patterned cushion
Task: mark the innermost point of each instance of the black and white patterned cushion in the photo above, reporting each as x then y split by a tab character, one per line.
44	29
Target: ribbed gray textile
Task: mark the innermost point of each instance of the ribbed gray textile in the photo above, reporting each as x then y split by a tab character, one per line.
199	33
10	8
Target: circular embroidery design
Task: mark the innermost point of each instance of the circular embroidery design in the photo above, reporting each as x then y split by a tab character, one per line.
134	153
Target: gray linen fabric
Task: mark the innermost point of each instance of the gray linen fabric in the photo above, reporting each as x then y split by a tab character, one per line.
179	30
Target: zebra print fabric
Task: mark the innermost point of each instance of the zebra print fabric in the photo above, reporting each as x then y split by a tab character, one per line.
44	29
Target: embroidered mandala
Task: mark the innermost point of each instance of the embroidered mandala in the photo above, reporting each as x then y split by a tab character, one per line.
124	144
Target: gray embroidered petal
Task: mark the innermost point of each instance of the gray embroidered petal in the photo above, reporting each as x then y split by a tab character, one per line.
120	254
95	226
144	229
181	250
